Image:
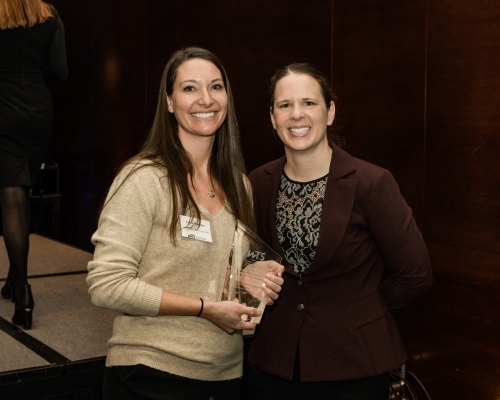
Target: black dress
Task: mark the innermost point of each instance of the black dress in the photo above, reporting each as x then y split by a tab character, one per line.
28	56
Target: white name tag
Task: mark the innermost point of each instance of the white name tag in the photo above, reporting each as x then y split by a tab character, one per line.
191	230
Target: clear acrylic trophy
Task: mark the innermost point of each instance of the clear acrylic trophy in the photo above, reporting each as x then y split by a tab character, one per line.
247	268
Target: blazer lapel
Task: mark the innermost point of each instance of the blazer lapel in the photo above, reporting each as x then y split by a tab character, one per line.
337	208
272	185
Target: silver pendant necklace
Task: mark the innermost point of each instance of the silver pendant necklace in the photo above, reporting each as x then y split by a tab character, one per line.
211	193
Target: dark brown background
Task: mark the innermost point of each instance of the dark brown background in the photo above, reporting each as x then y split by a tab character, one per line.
418	83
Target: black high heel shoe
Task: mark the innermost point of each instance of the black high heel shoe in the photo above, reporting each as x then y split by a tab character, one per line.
6	291
23	314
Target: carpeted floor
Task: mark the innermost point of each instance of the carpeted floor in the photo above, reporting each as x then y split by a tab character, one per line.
64	319
48	256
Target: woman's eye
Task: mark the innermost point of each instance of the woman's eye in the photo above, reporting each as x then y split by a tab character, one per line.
309	103
188	88
284	105
218	86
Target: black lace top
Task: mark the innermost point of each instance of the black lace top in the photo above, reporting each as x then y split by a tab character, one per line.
298	216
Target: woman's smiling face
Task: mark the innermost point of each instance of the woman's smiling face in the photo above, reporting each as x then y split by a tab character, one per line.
300	115
199	98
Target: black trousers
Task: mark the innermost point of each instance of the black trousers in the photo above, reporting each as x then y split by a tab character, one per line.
136	382
263	386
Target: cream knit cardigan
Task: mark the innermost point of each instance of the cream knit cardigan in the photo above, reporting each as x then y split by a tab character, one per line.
134	261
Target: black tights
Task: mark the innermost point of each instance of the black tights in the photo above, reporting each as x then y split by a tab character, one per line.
14	202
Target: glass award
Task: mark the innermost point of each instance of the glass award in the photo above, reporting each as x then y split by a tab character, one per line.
247	268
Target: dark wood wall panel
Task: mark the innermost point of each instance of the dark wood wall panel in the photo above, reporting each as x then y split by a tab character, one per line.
378	73
463	197
441	387
463	123
100	110
73	134
162	33
285	32
462	317
420	88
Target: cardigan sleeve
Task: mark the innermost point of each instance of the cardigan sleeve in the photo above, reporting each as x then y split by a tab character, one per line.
399	241
120	241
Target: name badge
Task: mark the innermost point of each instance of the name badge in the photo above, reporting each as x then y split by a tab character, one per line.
191	230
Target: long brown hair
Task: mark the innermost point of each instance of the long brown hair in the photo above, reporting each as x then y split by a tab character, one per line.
16	13
326	92
164	149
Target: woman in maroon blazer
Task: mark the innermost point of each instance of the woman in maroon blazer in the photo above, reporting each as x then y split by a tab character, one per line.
352	253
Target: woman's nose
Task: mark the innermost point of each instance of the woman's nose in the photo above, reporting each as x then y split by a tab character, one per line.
297	113
205	98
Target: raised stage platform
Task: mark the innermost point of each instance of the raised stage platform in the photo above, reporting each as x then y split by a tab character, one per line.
62	356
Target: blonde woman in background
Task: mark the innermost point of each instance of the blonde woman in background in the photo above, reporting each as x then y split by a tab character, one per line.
32	49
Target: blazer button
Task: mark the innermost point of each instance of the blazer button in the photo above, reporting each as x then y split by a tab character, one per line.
300	307
299	283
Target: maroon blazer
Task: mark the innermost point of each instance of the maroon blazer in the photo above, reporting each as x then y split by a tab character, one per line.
370	258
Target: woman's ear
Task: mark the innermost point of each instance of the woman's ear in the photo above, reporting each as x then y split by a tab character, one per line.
331	113
272	117
169	105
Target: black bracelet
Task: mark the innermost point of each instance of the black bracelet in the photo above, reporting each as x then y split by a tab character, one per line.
201	309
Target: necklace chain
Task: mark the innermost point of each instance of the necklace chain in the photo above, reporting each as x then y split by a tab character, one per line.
211	192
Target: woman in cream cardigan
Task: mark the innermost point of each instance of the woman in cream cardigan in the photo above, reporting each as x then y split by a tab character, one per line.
163	244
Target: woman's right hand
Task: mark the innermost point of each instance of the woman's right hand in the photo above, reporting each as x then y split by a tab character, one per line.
229	315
